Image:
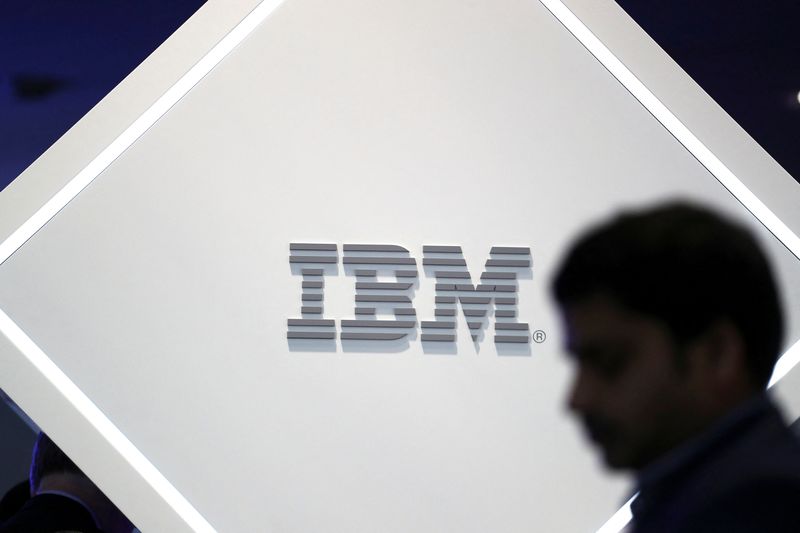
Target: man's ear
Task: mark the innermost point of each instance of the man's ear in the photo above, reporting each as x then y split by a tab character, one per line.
719	361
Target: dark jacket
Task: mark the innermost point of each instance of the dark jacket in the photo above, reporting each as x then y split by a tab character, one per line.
742	476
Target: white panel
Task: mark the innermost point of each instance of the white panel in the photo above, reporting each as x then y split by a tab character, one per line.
164	288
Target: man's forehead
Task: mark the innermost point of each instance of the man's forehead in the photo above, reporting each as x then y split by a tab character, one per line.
599	322
596	310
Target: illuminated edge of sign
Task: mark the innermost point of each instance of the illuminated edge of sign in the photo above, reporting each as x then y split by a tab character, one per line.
616	523
149	473
700	151
117	439
786	362
103	425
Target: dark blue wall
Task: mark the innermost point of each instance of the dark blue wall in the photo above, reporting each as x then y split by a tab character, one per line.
58	58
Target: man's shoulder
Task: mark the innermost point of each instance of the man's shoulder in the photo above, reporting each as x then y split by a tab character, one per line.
748	480
763	455
760	452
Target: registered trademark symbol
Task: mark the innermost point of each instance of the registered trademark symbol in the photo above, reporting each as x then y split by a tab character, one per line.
539	336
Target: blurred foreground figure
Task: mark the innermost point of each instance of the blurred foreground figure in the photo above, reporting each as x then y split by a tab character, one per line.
63	498
673	320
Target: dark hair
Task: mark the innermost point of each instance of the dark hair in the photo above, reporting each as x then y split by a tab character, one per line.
48	459
686	266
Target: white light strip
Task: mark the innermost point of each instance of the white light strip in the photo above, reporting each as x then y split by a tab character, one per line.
103	425
674	126
135	130
33	353
620	519
787	361
700	151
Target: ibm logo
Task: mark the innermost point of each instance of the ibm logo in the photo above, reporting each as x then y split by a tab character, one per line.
496	290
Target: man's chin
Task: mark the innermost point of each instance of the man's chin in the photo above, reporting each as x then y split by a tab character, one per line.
615	455
619	460
613	463
615	459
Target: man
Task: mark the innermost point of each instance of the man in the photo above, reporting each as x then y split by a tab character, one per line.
673	320
63	498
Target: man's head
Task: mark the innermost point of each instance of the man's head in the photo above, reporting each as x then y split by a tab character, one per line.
672	316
